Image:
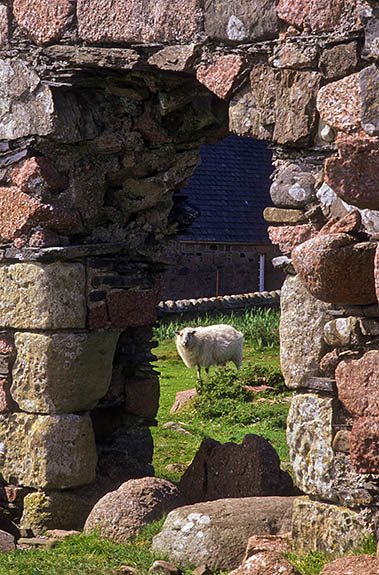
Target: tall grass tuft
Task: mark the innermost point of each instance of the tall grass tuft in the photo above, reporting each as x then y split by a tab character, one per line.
260	326
225	396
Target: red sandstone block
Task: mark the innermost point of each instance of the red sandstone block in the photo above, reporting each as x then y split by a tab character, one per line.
43	21
349	224
20	242
131	308
142	397
117	21
37	176
219	76
357	384
339	104
19	213
359	565
293	11
329	362
364	445
320	16
353	175
288	237
334	269
4	25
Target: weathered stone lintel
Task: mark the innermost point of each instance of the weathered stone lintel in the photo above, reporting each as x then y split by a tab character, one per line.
64	253
93	57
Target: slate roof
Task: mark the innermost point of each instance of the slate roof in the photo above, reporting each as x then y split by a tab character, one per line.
230	188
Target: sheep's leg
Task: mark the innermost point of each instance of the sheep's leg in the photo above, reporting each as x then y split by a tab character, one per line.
207	371
238	362
199	380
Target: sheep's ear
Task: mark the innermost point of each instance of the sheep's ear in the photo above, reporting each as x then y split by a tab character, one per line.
177	332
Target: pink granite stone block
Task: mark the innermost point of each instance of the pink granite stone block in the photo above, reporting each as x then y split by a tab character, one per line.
117	21
334	269
364	445
44	21
219	76
358	384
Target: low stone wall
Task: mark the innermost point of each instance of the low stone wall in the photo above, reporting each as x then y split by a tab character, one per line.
227	304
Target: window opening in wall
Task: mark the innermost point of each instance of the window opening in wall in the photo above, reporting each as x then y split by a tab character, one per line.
220	211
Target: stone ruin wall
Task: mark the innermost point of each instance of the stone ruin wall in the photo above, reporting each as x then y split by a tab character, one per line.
104	106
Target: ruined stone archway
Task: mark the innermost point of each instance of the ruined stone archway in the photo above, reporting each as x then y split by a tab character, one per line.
103	109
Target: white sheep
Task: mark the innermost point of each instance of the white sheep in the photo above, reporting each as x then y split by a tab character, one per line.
213	345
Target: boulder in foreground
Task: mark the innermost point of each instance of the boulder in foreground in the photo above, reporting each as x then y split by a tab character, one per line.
216	533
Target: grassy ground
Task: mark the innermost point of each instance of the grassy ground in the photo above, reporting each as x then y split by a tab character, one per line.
85	555
90	555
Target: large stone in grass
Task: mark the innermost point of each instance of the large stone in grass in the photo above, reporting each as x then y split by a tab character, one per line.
232	470
7	542
301	333
265	556
265	563
121	513
216	533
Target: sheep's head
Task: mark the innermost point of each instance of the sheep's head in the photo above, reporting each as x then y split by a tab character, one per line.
185	336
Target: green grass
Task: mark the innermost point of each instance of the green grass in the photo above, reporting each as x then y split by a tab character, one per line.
311	563
260	326
85	555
